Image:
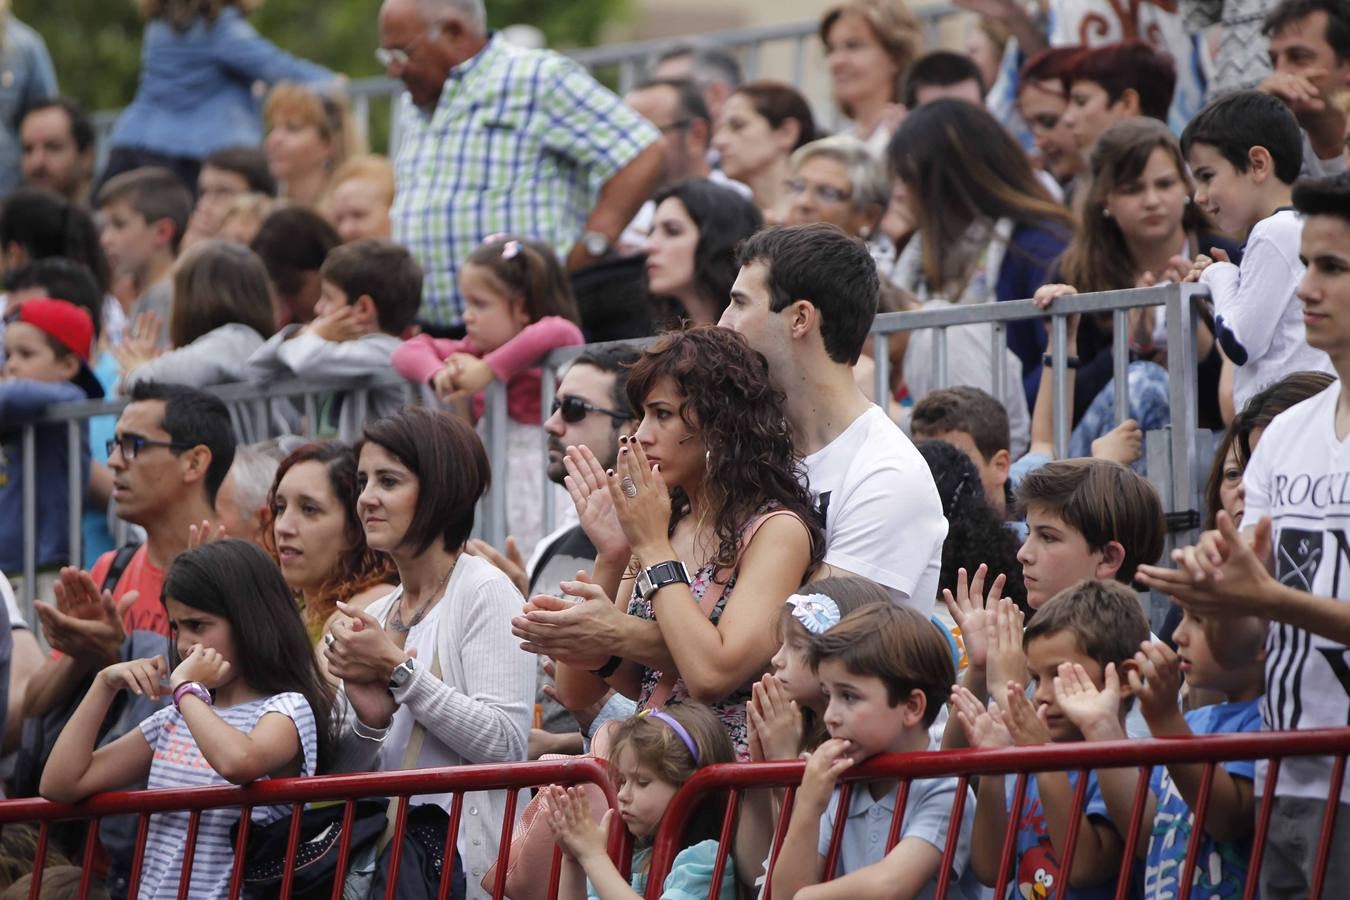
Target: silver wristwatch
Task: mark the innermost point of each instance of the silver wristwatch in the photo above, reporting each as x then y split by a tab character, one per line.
402	674
653	578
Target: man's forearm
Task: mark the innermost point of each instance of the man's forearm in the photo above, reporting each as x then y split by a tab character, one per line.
640	641
1324	616
51	685
621	197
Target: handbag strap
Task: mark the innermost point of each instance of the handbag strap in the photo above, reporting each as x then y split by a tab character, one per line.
666	686
416	738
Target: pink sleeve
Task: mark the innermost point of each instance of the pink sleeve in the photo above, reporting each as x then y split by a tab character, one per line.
523	351
420	357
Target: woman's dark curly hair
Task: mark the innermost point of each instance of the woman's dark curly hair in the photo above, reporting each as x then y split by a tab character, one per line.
974	533
358	567
729	401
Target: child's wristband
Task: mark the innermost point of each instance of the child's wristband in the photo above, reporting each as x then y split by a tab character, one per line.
195	688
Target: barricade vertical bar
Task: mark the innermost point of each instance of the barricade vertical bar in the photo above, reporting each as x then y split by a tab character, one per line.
953	836
456	804
940	357
548	388
261	413
451	839
881	370
1075	821
1262	818
508	820
779	835
1120	339
1181	319
344	848
1132	839
396	851
240	852
837	838
1005	858
40	862
292	845
752	61
799	59
311	415
137	856
74	492
495	525
29	452
554	873
997	357
189	851
87	865
898	817
1197	833
1328	827
1059	348
723	842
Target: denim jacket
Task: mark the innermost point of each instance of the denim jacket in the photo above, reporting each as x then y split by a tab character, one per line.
26	79
196	90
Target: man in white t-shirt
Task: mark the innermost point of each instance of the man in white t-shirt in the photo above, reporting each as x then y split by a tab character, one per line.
805	298
1297	492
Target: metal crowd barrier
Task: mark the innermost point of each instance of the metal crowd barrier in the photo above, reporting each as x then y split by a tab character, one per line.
1180	482
1021	762
296	792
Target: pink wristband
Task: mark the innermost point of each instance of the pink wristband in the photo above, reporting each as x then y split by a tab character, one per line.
196	688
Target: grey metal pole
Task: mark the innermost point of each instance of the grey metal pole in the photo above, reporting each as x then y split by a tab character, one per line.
881	359
494	519
1181	371
996	360
1120	323
548	387
1059	348
75	490
29	443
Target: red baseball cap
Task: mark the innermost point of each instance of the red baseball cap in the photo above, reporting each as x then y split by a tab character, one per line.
69	325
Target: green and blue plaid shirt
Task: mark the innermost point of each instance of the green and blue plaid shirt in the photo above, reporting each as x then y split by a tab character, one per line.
520	142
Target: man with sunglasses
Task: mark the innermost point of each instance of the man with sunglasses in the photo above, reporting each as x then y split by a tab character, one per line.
497	138
590	409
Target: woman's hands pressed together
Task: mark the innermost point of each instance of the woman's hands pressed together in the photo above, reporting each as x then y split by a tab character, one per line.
586	484
641	502
359	650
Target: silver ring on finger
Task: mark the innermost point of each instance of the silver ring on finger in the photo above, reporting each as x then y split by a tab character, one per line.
629	488
329	639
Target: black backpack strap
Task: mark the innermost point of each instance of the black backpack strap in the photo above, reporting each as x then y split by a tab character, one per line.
121	559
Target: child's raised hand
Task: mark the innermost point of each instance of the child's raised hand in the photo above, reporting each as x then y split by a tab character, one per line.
337	326
204	665
1198	266
1095	712
823	768
1025	723
972	611
202	534
641	499
1123	444
773	720
443	383
984	726
587	485
471	374
569	818
1157	681
143	677
140	344
1006	661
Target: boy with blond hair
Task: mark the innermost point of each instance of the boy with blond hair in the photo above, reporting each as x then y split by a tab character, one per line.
885	670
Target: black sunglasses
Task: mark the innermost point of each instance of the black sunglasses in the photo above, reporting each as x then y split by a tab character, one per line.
133	444
574	409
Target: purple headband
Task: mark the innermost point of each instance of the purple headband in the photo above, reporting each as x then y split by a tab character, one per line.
676	727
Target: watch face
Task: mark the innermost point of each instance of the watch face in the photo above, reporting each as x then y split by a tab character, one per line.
596	244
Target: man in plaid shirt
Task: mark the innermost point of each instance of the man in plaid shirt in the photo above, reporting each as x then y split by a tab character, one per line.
499	139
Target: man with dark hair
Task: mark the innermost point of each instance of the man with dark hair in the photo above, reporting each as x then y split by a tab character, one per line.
977	425
943	73
1310	52
56	138
805	298
714	69
226	175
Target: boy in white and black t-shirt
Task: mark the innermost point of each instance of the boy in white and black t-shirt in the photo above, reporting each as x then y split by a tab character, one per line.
1244	150
1298	493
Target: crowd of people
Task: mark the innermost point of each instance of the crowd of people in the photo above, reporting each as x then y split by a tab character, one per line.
924	574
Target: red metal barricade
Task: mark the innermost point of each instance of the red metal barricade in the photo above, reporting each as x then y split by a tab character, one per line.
1021	762
298	791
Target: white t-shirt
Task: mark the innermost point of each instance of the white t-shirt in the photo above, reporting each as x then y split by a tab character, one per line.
883	516
1259	321
1299	475
16	619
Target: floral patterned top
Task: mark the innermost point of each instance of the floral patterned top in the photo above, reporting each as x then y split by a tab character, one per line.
731	708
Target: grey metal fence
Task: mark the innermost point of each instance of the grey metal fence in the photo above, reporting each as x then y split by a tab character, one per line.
1177	473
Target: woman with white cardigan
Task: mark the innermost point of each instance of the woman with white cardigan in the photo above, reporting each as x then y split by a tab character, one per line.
431	673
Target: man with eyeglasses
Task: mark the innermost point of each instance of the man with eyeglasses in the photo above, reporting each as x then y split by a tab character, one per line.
590	409
496	138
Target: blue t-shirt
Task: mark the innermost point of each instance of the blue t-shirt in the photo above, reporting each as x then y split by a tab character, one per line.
1221	868
1037	871
690	874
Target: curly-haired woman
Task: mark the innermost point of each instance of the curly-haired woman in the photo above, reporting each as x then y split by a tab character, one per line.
704	526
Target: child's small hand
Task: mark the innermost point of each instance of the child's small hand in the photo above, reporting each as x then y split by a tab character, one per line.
1157	682
143	677
773	721
202	664
1203	262
569	817
1096	713
1123	444
140	343
443	383
202	534
1007	661
471	373
972	610
985	727
337	326
1025	723
823	769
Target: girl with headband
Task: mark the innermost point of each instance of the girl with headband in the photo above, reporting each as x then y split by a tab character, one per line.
652	755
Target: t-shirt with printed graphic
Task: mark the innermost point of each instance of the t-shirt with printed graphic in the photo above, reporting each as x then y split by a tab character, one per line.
1299	475
1036	871
178	763
1221	868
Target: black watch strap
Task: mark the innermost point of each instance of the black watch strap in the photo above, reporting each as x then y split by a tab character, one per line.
609	668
